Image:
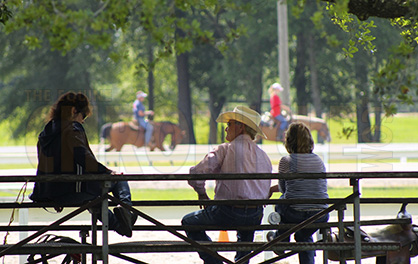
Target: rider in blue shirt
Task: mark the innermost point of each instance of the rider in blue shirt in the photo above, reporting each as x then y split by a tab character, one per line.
140	114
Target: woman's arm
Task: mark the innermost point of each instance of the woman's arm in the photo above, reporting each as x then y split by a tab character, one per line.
82	154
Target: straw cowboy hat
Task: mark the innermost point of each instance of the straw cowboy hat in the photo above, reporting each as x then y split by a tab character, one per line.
244	115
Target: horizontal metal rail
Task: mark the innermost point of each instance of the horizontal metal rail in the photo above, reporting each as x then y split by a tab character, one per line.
21	228
181	246
230	176
9	205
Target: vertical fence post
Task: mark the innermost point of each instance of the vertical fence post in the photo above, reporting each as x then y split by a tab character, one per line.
94	214
356	209
341	231
23	220
105	223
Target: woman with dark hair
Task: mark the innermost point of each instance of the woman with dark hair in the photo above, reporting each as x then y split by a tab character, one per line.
299	144
63	148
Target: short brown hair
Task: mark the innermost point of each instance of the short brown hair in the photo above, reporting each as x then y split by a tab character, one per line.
298	139
251	132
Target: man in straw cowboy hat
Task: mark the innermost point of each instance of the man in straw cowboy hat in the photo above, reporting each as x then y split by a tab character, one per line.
240	155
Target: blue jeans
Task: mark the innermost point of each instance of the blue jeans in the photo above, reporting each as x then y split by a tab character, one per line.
291	216
148	129
283	122
227	216
92	190
120	190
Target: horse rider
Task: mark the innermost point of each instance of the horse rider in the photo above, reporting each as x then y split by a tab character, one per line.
276	108
140	114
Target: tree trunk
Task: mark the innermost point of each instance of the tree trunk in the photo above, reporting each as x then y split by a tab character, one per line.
184	99
215	106
315	90
184	103
302	97
362	98
150	78
255	101
363	119
378	120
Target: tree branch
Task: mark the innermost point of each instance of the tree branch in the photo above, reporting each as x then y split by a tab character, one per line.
101	9
388	9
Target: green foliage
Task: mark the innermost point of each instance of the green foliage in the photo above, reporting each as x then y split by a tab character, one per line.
297	8
99	46
396	78
5	13
364	37
409	23
67	25
359	31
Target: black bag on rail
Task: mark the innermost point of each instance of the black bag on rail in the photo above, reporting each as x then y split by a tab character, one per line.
50	238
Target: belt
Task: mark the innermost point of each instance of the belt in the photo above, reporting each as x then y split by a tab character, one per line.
246	206
309	210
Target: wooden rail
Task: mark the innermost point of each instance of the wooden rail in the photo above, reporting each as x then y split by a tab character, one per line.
24	247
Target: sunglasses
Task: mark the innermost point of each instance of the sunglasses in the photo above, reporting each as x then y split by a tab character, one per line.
229	123
84	115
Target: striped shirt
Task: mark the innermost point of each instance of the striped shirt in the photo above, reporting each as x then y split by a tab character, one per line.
303	188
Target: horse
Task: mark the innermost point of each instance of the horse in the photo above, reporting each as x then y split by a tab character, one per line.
313	123
122	133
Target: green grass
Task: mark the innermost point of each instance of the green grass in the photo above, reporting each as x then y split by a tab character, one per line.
396	129
16	166
375	192
190	194
165	194
334	192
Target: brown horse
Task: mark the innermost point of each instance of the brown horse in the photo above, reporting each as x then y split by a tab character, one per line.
122	133
313	123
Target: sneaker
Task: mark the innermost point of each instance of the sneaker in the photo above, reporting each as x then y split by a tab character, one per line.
271	235
133	219
125	221
274	218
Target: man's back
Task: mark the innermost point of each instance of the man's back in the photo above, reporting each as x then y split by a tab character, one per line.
242	155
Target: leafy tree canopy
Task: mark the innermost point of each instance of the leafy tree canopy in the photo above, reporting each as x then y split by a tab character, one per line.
68	25
65	26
